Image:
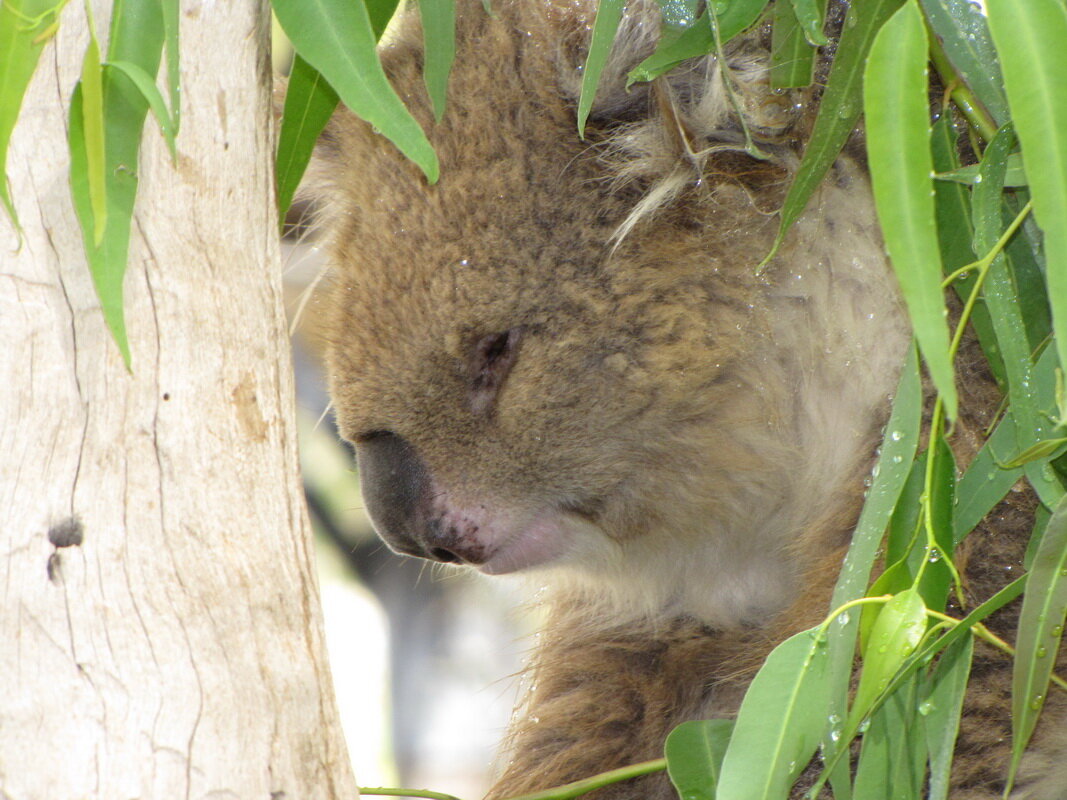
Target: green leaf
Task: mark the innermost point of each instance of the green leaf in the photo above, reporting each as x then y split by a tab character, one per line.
608	15
25	26
891	474
1014	177
896	633
1040	630
1001	295
92	131
148	89
898	142
941	709
893	754
439	41
792	56
811	15
961	27
780	721
936	578
381	13
1031	41
136	37
336	38
694	753
171	11
839	108
309	103
956	233
903	542
699	38
896	578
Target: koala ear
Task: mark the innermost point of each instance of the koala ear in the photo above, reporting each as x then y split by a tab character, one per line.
694	125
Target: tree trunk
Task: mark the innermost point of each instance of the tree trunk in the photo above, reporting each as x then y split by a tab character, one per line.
177	651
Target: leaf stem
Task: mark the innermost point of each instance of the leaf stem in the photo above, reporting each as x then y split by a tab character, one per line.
969	105
986	635
585	785
395	792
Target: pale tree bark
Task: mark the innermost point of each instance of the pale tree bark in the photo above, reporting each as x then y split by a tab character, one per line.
177	651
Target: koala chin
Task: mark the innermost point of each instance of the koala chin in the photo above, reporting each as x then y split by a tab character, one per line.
564	361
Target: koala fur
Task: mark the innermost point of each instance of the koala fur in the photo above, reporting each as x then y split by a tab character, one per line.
562	361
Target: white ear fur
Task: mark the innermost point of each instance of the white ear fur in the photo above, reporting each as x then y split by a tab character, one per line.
663	135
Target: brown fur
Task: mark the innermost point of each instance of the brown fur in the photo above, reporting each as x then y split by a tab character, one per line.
693	435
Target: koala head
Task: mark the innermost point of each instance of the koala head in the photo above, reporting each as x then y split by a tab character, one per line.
524	385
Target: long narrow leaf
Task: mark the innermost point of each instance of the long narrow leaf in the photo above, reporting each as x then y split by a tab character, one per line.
956	233
894	749
170	37
898	141
961	27
24	27
148	89
309	102
896	633
792	55
336	38
608	15
439	40
811	14
780	721
694	752
699	38
136	37
894	465
839	108
1040	630
1031	41
92	130
381	12
941	711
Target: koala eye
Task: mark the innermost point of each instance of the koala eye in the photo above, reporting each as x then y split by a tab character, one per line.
492	358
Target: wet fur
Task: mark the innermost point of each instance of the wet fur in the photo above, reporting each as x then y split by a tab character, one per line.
704	428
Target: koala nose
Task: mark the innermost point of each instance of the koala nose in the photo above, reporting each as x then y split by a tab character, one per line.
395	486
398	497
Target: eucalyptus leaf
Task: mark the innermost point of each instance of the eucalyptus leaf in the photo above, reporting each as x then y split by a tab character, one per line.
337	39
608	15
171	12
961	27
780	721
731	16
92	132
893	754
891	474
309	103
1014	177
694	752
148	89
25	26
898	141
941	710
894	637
811	14
1040	631
1031	40
839	108
381	13
792	55
439	42
136	37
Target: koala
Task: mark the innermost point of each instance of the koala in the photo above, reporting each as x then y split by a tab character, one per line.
563	362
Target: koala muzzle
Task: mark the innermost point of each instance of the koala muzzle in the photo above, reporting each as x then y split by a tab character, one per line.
398	497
